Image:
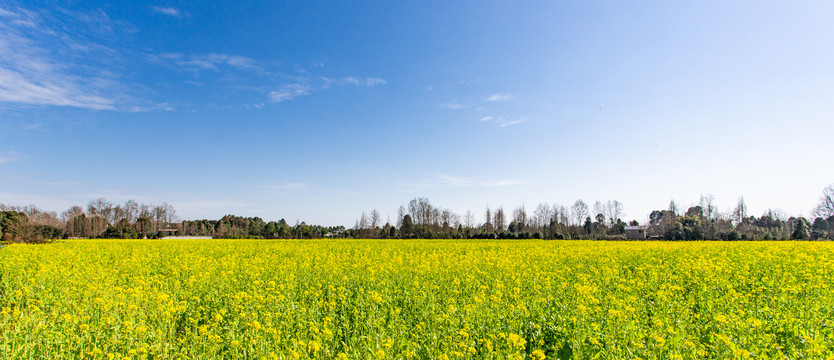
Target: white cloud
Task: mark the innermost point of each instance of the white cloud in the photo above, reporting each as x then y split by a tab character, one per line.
292	91
167	11
514	122
60	58
374	81
8	157
157	107
453	105
503	122
211	61
499	97
350	80
289	92
370	81
43	89
31	74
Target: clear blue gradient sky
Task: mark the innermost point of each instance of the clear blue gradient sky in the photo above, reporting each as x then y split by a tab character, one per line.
317	111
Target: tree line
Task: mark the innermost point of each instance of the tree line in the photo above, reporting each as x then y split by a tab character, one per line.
421	219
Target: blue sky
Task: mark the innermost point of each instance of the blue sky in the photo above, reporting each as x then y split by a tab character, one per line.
317	111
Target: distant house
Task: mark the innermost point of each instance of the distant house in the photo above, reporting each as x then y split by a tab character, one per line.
635	232
168	232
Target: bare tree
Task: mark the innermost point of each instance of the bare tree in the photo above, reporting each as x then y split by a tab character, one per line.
469	219
446	217
131	210
599	209
163	215
499	221
170	213
542	215
98	212
740	212
615	211
37	216
520	216
374	219
579	211
673	207
72	213
707	204
825	209
363	221
400	216
421	211
456	220
488	219
146	211
562	214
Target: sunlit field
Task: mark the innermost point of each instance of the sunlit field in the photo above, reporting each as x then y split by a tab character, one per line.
326	299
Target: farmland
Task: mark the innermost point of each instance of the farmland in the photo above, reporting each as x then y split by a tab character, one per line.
427	299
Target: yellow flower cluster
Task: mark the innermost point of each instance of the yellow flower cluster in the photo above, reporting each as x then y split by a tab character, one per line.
422	299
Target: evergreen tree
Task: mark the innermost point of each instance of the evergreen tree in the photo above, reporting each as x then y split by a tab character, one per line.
800	231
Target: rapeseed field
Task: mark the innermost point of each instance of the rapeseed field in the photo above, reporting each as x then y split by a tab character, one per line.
421	299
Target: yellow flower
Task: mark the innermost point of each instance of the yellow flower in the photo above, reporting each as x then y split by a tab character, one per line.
516	341
538	354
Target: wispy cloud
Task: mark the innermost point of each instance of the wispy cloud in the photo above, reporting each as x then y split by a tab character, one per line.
241	72
370	81
170	11
311	85
8	157
350	80
513	122
289	92
60	58
32	74
374	82
452	105
499	97
157	107
503	121
212	61
43	89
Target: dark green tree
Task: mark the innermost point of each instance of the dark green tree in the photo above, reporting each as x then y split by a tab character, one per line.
800	229
406	230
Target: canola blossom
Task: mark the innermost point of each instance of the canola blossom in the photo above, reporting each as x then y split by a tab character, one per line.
421	299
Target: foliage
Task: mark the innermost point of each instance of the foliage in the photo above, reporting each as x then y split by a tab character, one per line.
16	227
800	231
